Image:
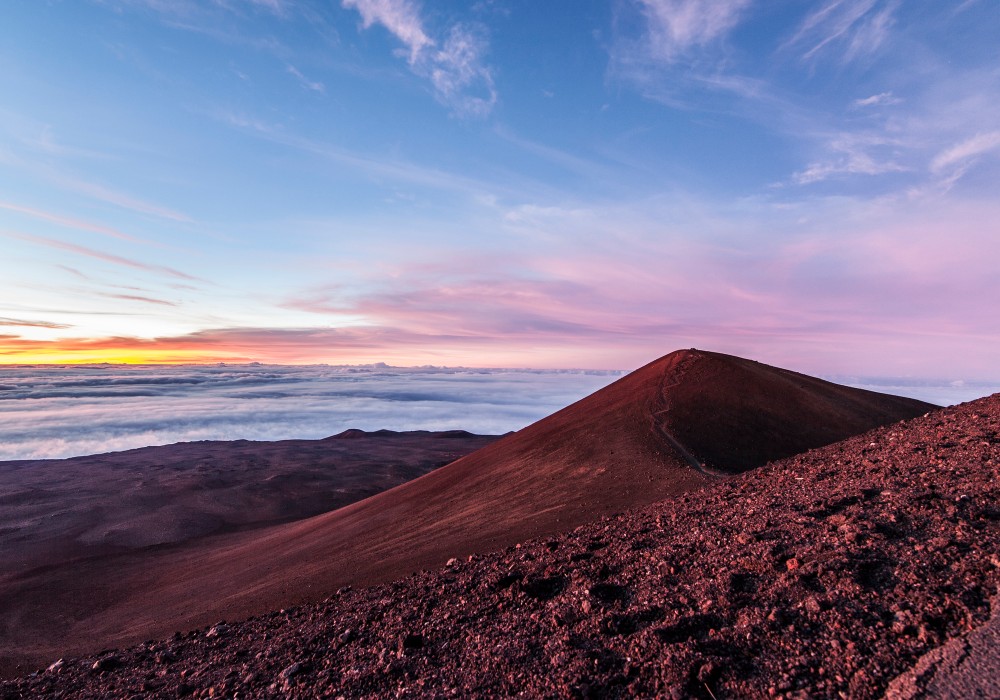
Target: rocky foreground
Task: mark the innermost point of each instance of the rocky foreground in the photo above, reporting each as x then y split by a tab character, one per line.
828	574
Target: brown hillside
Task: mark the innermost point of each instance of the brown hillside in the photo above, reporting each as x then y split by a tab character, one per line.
865	569
637	441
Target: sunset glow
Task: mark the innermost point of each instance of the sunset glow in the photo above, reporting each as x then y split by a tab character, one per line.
501	184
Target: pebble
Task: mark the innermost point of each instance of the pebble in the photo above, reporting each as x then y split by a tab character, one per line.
106	663
292	670
218	630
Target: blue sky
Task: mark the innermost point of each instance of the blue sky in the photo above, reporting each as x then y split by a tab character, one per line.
502	183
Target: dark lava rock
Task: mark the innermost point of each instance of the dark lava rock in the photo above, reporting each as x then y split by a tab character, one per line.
412	641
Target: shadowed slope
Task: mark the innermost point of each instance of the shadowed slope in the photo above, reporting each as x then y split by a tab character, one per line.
55	510
627	445
735	414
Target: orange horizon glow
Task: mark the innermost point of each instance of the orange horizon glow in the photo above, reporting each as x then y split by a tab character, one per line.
125	352
245	346
816	353
56	357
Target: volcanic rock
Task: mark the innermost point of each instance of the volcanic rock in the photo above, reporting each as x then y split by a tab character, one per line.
680	606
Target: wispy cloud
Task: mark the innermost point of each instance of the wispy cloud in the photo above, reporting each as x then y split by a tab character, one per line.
856	27
49	163
390	167
68	181
678	26
401	17
305	82
923	128
145	300
459	75
963	153
671	49
454	63
73	271
863	153
46	142
883	98
99	255
276	6
69	222
120	199
31	324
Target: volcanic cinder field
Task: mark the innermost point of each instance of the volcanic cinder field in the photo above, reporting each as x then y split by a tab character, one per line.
707	526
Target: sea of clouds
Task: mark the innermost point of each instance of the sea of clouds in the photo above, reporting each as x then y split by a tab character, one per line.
65	411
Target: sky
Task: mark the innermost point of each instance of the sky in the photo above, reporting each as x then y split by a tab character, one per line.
502	183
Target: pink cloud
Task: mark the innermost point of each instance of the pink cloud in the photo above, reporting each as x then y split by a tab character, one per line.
30	324
107	257
827	285
135	297
69	222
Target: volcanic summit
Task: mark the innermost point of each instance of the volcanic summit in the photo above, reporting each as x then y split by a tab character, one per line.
680	423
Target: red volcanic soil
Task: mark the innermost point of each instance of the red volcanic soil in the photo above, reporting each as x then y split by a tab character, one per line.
633	443
847	571
68	518
55	509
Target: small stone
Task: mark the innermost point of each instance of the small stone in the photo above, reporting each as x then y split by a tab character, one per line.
291	671
56	666
792	564
707	672
219	630
812	604
107	663
164	657
452	562
346	636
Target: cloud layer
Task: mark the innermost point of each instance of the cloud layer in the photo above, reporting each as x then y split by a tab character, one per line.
54	412
50	412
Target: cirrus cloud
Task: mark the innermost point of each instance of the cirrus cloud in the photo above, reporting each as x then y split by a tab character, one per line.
454	64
